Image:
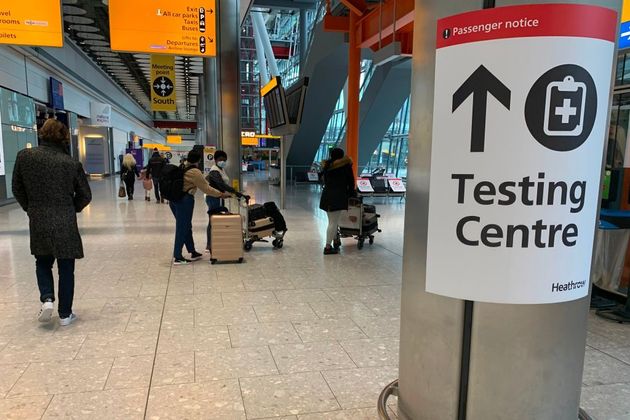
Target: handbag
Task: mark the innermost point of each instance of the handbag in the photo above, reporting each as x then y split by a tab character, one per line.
122	193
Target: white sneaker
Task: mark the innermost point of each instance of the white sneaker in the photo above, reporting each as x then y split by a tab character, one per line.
64	322
45	313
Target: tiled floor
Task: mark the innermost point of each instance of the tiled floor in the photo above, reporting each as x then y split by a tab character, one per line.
289	334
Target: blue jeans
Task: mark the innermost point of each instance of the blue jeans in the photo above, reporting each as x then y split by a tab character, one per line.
46	282
213	204
183	212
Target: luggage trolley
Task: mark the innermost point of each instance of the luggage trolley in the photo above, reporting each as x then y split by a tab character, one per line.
360	221
259	229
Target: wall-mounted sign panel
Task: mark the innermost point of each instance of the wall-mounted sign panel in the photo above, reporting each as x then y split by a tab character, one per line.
517	150
31	22
163	27
163	97
100	114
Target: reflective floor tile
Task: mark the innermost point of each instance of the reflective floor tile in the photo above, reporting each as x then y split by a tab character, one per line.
211	400
35	349
606	402
341	309
359	414
130	372
24	408
328	329
234	363
293	358
197	339
258	284
248	298
174	368
373	352
285	312
255	335
380	326
602	369
208	300
359	388
301	296
125	404
9	375
212	316
118	345
62	377
285	395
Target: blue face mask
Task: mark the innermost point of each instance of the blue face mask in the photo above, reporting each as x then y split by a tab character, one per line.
221	164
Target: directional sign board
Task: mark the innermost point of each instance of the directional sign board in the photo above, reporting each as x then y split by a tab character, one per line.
163	95
31	22
520	110
624	27
163	26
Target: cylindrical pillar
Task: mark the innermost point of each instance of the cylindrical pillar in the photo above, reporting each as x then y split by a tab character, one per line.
526	361
227	78
352	98
260	52
209	107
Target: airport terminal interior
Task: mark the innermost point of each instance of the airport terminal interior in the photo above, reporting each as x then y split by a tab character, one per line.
393	320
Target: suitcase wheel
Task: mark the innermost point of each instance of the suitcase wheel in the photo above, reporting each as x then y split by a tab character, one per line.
361	243
240	260
247	246
371	239
213	261
277	243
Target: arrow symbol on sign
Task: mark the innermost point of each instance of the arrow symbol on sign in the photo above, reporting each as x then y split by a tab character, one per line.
479	84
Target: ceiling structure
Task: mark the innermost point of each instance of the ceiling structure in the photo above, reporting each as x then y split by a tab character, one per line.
86	22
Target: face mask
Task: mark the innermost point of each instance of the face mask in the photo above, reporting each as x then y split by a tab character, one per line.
221	164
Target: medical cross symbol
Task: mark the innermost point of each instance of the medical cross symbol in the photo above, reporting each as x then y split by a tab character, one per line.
566	111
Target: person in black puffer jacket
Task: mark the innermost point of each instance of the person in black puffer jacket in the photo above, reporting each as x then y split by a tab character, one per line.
154	171
338	179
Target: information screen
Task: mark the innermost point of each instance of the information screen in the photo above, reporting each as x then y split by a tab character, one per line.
163	27
31	22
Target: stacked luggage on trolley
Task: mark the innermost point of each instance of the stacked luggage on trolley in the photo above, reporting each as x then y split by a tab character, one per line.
360	221
236	229
264	221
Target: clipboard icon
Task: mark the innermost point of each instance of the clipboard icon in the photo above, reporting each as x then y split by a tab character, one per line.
565	102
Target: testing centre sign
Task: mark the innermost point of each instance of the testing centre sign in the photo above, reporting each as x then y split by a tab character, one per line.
520	110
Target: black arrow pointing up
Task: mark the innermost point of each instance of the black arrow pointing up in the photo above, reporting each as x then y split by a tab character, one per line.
479	84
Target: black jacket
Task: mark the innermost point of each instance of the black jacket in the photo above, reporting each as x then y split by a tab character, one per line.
338	179
129	174
155	165
51	187
215	180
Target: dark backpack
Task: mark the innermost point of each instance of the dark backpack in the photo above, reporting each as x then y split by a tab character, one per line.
272	211
172	182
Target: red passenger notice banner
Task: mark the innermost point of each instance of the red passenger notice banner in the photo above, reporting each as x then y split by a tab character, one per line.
534	20
519	124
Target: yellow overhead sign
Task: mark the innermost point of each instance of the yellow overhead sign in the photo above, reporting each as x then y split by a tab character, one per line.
163	97
31	22
625	11
174	139
269	86
182	27
249	141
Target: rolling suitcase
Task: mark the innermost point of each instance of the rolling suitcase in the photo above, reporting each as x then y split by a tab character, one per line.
262	227
227	238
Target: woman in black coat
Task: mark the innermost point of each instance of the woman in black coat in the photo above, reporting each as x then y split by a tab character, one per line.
129	173
52	187
338	180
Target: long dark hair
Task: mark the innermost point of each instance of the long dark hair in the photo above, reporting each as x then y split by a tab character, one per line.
335	154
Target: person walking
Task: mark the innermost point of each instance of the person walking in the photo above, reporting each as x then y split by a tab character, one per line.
338	179
52	187
219	180
183	209
154	171
128	174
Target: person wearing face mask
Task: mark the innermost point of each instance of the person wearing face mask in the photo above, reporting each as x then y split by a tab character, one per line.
219	180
